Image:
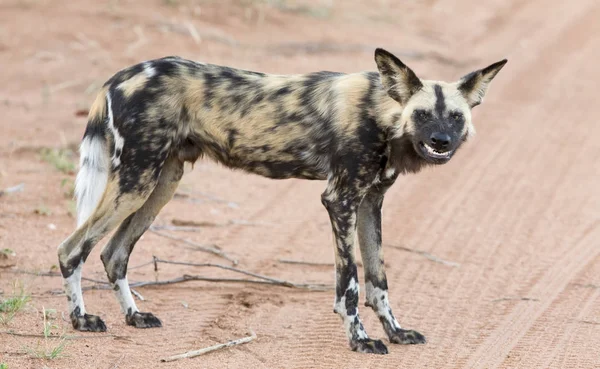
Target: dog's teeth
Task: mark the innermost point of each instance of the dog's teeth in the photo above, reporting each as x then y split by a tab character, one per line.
435	153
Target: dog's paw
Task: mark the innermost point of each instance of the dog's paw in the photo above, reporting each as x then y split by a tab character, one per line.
87	323
369	346
142	320
407	337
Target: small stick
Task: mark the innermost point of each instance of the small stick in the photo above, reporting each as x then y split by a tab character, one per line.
589	285
177	228
203	351
194	225
64	85
515	298
314	263
17	334
187	278
237	270
206	248
17	188
137	294
300	262
426	255
193	32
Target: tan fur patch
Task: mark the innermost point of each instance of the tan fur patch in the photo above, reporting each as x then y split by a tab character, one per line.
133	84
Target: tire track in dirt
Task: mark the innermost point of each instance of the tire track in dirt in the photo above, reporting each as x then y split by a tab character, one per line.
491	352
463	282
566	333
507	211
493	347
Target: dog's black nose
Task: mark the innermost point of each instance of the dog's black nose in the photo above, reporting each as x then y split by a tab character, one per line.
439	141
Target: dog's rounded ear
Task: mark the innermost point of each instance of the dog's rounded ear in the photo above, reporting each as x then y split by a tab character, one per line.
399	80
474	85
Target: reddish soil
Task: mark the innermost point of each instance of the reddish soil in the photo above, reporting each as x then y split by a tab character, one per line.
517	209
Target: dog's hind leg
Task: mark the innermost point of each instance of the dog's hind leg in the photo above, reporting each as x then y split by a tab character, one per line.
369	235
73	252
115	254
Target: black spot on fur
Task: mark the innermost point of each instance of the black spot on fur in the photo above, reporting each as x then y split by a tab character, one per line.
283	91
95	129
351	301
440	103
233	77
231	135
258	98
123	75
210	83
166	67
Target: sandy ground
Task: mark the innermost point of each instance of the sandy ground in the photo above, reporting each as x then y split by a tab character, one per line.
517	210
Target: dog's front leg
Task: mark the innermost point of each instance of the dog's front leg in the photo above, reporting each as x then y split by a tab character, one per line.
342	205
369	235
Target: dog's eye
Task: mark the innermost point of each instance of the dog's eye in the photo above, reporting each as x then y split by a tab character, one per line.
456	116
423	114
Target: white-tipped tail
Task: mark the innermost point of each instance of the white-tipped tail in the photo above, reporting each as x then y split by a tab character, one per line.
92	176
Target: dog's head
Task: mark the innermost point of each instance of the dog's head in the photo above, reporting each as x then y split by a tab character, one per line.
436	115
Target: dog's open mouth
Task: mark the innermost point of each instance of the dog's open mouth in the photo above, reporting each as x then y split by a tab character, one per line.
433	153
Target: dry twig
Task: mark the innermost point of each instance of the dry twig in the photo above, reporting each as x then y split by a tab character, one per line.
212	249
137	294
197	224
515	299
102	285
589	285
176	228
205	350
67	337
300	262
17	188
210	265
270	280
312	263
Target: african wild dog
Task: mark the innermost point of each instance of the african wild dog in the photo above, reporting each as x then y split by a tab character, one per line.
358	131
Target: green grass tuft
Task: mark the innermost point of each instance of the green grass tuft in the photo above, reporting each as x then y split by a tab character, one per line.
62	159
49	351
11	306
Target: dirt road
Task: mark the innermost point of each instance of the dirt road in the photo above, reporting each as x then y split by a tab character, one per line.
516	214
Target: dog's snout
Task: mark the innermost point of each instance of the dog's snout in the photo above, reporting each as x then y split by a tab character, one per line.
440	140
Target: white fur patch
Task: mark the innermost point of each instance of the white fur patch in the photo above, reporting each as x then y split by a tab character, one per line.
123	294
379	299
72	287
91	178
149	70
389	173
119	140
